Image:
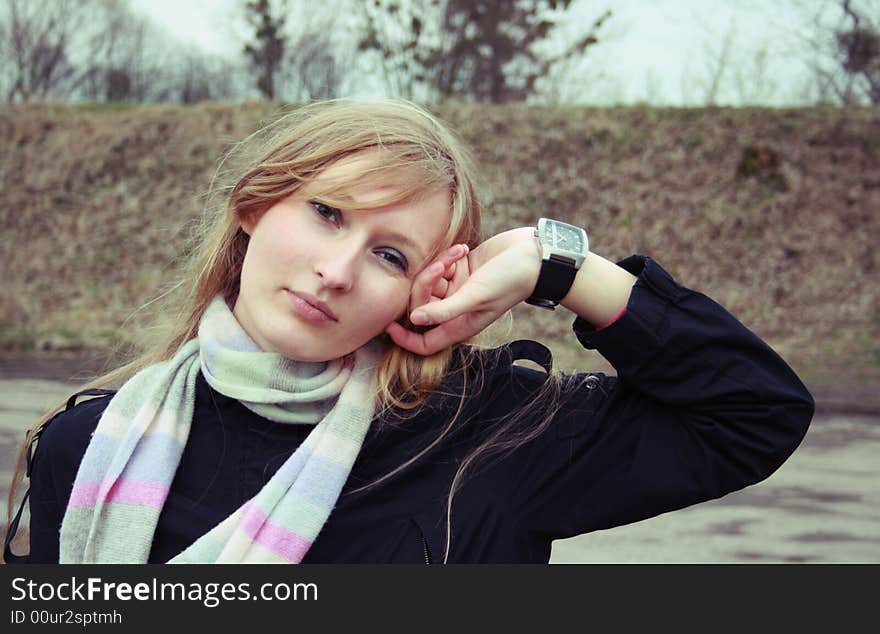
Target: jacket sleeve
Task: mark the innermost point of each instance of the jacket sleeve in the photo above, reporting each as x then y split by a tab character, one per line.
700	407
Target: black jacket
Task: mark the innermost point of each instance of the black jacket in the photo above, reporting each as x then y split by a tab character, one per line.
700	407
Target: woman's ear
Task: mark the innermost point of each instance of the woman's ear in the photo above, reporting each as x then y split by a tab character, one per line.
248	223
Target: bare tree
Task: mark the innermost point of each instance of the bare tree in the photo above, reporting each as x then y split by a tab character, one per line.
733	70
299	50
838	42
837	49
268	42
197	76
37	43
496	54
858	52
579	79
320	58
653	91
133	59
397	38
753	78
313	68
486	51
717	59
116	60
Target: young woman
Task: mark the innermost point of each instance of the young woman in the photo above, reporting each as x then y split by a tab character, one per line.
321	396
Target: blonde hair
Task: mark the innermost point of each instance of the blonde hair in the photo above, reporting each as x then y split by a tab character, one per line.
410	149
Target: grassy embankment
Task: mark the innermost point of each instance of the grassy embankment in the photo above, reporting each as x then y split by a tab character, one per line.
773	213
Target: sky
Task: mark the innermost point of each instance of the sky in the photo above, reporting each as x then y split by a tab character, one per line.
654	50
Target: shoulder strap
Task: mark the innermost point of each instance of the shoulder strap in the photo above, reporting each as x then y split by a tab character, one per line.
8	556
533	351
93	392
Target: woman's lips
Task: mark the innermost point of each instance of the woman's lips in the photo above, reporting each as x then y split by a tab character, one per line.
310	308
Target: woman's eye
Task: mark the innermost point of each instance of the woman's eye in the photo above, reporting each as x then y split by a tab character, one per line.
331	214
395	259
325	211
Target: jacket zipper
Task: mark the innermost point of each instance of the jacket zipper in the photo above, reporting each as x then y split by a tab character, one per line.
425	545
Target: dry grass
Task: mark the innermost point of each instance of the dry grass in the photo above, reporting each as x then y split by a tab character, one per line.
97	204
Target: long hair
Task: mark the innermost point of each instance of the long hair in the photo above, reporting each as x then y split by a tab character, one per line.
412	150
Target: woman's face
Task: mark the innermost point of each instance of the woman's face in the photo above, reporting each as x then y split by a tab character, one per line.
361	264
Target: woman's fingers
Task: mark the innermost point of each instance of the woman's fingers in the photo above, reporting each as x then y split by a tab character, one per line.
433	281
464	301
497	275
424	287
449	273
446	334
440	288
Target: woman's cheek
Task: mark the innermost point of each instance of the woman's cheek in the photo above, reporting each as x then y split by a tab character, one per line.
388	301
400	304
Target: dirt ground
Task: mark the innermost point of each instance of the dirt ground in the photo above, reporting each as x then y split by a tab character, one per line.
786	243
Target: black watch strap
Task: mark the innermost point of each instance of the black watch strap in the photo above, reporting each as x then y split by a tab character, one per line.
554	281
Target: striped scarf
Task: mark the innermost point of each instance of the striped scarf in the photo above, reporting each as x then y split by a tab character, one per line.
127	470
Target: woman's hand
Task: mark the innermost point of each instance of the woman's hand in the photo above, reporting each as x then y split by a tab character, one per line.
462	292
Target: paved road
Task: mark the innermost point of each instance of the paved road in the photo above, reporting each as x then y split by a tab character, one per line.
823	505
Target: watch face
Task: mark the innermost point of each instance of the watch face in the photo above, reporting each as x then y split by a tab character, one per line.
568	238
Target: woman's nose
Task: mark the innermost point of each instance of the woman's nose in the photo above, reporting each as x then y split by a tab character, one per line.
337	269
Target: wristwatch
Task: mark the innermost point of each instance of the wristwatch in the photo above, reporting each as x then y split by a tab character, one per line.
563	248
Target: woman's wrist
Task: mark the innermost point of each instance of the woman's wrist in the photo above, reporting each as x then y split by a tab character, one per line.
600	290
521	241
533	255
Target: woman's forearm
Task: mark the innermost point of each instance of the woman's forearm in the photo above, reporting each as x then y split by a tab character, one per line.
600	290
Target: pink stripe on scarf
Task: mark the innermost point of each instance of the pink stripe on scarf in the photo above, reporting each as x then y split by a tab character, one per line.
280	540
84	494
143	493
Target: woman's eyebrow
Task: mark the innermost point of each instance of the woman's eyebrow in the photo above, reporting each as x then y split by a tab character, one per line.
405	240
350	204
